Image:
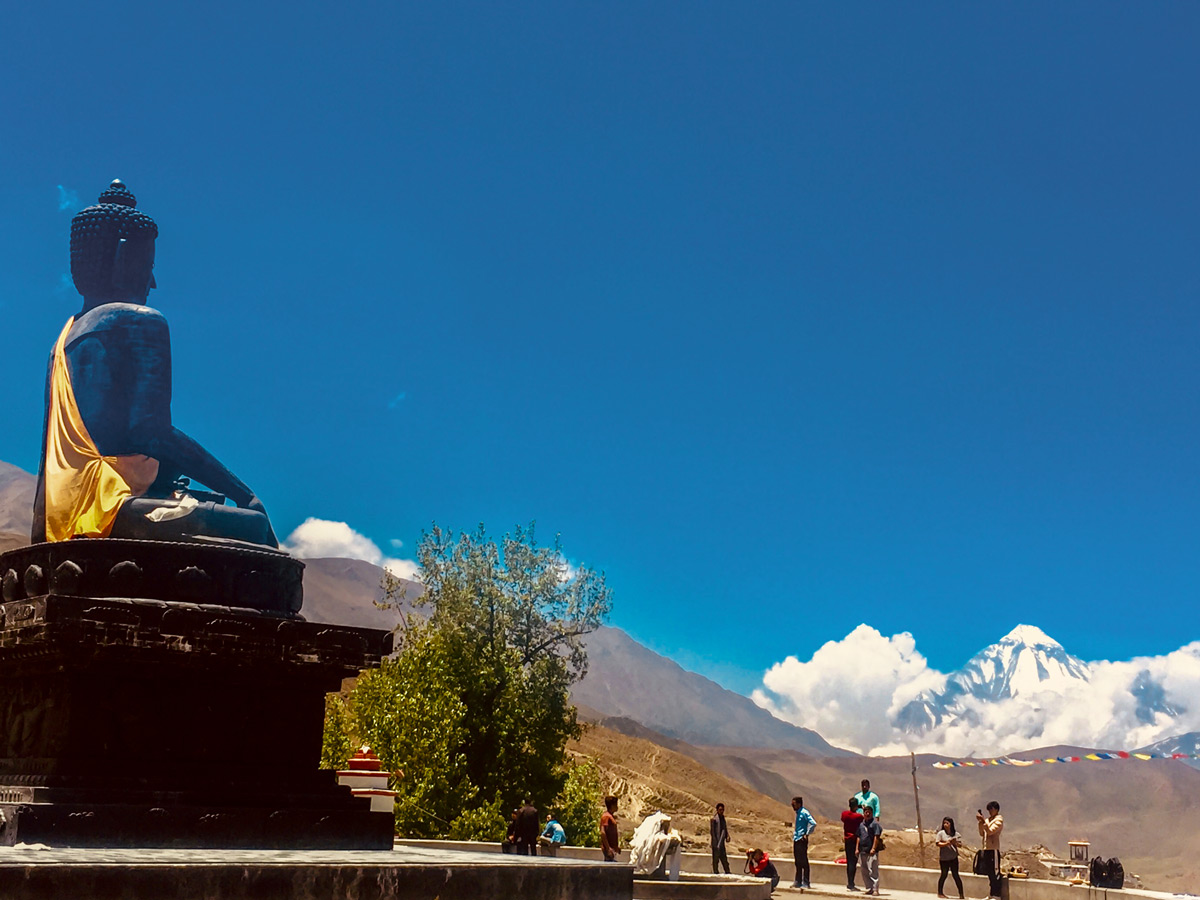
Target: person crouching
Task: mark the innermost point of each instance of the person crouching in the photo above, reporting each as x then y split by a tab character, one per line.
760	865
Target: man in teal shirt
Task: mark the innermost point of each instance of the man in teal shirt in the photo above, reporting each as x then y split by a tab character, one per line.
866	797
805	825
554	832
552	837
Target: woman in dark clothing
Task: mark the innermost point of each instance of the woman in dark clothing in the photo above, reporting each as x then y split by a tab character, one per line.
947	841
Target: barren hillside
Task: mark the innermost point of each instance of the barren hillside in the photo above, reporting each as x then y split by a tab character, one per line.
1123	807
16	501
345	591
627	679
10	540
1115	805
648	776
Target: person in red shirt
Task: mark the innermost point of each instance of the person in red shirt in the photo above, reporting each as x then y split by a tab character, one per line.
758	863
609	839
851	819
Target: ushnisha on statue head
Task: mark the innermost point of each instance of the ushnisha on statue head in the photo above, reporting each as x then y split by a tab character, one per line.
112	249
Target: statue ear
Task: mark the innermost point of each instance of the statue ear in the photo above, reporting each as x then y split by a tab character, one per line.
119	262
128	272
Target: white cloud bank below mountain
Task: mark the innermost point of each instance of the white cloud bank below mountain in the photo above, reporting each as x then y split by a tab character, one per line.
322	538
853	690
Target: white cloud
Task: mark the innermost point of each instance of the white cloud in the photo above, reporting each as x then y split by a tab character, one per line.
852	690
567	571
318	538
67	199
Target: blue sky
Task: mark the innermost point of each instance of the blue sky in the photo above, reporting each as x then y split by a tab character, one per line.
788	316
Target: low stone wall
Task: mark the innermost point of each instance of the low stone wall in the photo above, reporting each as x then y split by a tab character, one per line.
698	883
830	875
833	875
703	886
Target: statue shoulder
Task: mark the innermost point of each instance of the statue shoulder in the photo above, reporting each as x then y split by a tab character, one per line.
128	317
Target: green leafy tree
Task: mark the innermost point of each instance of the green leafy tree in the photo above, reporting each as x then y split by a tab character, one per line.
578	806
409	711
483	823
336	746
513	616
475	709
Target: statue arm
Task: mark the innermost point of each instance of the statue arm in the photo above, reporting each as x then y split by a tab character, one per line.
150	428
181	453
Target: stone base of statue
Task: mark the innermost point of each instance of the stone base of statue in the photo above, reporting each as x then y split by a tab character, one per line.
145	722
214	571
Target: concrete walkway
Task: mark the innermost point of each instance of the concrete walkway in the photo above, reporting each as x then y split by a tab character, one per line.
41	855
825	890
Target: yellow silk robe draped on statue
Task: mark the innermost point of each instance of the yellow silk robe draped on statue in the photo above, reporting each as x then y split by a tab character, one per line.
84	490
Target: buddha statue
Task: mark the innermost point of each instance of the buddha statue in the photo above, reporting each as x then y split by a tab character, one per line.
113	464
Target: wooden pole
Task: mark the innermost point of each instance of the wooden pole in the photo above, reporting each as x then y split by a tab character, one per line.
917	801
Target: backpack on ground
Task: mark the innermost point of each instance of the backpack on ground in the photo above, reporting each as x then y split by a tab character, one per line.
1107	873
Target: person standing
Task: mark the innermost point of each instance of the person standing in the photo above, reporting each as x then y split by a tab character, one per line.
851	819
527	830
990	827
870	832
805	825
947	841
867	797
718	832
609	839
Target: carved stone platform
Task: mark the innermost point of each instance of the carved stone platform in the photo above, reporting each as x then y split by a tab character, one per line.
228	573
151	723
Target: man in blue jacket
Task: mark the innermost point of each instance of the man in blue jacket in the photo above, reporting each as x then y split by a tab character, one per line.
805	825
552	837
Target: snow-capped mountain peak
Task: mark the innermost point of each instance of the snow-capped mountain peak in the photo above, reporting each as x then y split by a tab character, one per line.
1030	636
1024	662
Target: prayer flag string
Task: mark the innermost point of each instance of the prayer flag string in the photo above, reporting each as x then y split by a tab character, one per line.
1090	757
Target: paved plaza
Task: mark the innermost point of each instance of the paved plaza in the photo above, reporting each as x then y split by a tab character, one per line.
402	855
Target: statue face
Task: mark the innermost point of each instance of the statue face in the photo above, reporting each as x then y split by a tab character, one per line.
151	284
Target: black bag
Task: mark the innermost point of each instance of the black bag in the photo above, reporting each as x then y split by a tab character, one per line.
880	845
1107	873
979	864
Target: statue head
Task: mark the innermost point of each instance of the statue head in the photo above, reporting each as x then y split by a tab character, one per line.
112	249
